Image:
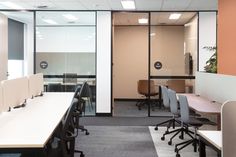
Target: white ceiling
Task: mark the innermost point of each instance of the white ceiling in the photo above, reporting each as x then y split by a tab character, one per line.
154	5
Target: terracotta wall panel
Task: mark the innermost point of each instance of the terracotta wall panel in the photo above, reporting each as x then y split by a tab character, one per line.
227	37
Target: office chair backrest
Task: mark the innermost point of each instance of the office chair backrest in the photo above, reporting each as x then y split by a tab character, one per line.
165	97
143	87
69	78
184	108
67	122
173	102
77	91
85	90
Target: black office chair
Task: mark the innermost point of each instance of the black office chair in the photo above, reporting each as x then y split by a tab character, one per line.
81	105
63	141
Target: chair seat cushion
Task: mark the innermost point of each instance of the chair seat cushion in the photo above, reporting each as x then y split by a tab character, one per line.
206	121
192	122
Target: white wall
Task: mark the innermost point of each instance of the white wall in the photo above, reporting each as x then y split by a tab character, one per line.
216	87
207	36
130	62
103	78
3	46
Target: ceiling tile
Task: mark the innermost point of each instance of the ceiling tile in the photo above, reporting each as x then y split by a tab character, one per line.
70	6
115	4
148	4
95	4
203	5
175	4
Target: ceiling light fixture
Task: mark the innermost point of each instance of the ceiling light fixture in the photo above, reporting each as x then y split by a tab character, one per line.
70	17
12	5
49	21
152	34
143	21
128	4
174	16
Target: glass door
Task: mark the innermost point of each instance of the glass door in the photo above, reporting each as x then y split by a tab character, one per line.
130	63
173	53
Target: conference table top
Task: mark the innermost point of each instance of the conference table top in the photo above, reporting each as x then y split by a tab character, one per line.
33	125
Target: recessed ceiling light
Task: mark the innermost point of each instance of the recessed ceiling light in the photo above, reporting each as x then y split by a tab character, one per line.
143	21
128	4
174	16
49	21
12	5
152	34
70	17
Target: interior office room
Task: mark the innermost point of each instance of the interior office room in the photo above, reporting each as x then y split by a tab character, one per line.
117	78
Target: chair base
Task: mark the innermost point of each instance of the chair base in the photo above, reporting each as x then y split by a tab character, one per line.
83	129
81	152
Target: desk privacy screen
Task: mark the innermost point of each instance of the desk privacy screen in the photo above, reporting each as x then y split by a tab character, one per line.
35	84
15	92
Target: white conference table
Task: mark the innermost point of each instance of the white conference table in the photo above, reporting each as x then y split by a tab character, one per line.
32	126
212	138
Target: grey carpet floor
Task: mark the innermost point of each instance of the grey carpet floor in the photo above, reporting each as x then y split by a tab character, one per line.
122	121
129	109
117	141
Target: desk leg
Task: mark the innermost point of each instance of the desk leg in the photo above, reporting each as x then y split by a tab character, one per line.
218	119
202	149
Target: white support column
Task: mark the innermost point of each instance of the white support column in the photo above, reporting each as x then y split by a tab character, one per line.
3	46
103	76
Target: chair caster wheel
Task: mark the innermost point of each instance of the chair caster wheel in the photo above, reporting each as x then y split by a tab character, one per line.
163	138
181	137
87	133
176	149
156	128
177	155
167	132
81	155
170	143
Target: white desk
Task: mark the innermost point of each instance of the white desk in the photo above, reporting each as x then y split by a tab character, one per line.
212	138
32	126
203	105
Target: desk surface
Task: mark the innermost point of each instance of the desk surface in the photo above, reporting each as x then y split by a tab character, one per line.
32	126
203	105
214	137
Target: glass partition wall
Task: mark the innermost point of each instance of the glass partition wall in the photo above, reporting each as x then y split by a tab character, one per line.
152	46
173	52
66	51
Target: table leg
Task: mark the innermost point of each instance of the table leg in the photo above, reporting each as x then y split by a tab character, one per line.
202	149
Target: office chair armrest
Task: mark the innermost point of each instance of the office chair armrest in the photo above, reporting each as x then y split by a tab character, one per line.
70	135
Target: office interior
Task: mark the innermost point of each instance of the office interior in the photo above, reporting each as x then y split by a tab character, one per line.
138	46
111	50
